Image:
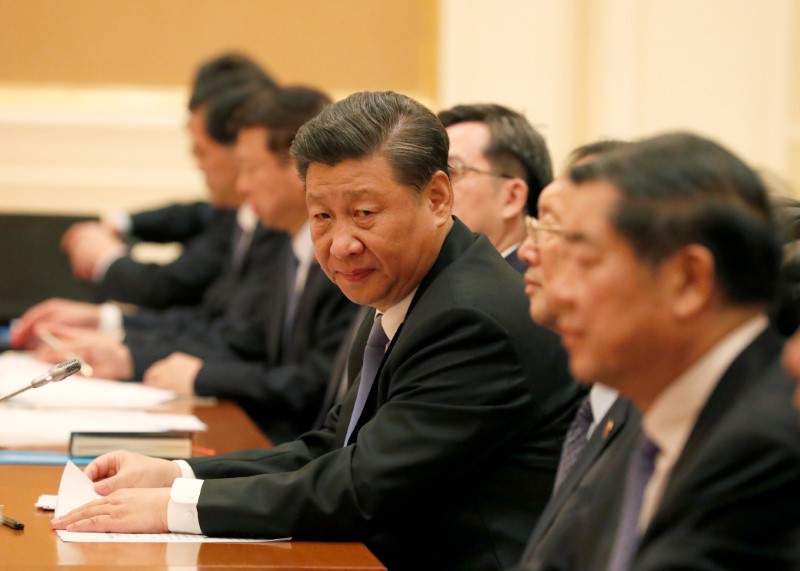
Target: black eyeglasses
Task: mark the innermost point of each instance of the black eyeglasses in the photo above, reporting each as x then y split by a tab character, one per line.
459	169
536	230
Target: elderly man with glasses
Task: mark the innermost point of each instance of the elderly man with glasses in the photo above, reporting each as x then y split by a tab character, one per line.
605	423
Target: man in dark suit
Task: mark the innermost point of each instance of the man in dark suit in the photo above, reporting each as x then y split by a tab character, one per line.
604	422
671	261
205	229
498	165
225	324
443	452
214	235
302	322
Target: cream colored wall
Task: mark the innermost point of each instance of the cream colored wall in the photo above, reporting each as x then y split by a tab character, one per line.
92	101
585	69
92	92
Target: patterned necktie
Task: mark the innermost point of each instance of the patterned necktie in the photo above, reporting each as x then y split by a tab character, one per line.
373	355
640	470
575	441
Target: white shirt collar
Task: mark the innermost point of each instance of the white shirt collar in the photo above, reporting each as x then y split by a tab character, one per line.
246	218
510	250
303	250
601	398
395	315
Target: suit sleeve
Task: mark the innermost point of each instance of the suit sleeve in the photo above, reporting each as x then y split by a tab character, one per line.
181	282
293	386
455	390
174	223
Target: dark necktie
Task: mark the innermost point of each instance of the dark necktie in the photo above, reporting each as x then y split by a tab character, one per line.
640	470
373	355
575	441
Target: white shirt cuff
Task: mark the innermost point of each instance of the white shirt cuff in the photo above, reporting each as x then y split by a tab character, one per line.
119	220
110	320
186	470
182	509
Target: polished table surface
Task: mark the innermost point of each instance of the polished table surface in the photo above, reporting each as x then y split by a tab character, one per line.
38	547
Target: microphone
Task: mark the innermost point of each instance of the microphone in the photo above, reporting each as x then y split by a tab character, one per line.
56	373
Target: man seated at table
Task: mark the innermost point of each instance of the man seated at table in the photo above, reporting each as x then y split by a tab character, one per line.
605	423
443	452
207	230
671	260
274	359
303	315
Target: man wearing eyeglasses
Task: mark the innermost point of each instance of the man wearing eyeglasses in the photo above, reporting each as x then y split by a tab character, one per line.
605	424
498	166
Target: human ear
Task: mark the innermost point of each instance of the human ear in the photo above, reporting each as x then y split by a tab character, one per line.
439	195
515	197
691	279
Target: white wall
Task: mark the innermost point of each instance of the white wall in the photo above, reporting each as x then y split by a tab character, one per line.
586	69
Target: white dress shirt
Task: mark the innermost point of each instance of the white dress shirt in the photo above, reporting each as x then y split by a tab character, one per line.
601	398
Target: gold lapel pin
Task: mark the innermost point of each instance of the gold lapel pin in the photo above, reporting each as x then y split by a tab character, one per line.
608	428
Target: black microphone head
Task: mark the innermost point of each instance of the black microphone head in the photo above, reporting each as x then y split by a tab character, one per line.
65	369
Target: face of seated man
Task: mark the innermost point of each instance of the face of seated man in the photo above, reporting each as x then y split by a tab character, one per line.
484	199
215	160
269	182
542	251
374	237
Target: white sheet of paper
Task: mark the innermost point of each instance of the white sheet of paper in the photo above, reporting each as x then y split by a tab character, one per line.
47	502
17	369
76	489
52	427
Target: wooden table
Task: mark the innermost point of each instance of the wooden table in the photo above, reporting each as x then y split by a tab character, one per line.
38	547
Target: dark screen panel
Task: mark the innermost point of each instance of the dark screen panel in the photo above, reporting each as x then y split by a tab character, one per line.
33	268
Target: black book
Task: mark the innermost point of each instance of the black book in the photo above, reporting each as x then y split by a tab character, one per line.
170	444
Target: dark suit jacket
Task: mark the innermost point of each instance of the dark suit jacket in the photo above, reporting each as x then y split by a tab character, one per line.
173	223
454	456
206	235
732	500
283	391
618	429
230	323
515	262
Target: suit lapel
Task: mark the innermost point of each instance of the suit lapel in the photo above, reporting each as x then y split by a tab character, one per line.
760	354
607	429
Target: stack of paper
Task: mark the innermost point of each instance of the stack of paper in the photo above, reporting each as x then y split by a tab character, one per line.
18	369
46	416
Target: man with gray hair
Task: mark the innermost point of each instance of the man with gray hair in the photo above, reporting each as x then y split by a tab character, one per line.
443	452
670	262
